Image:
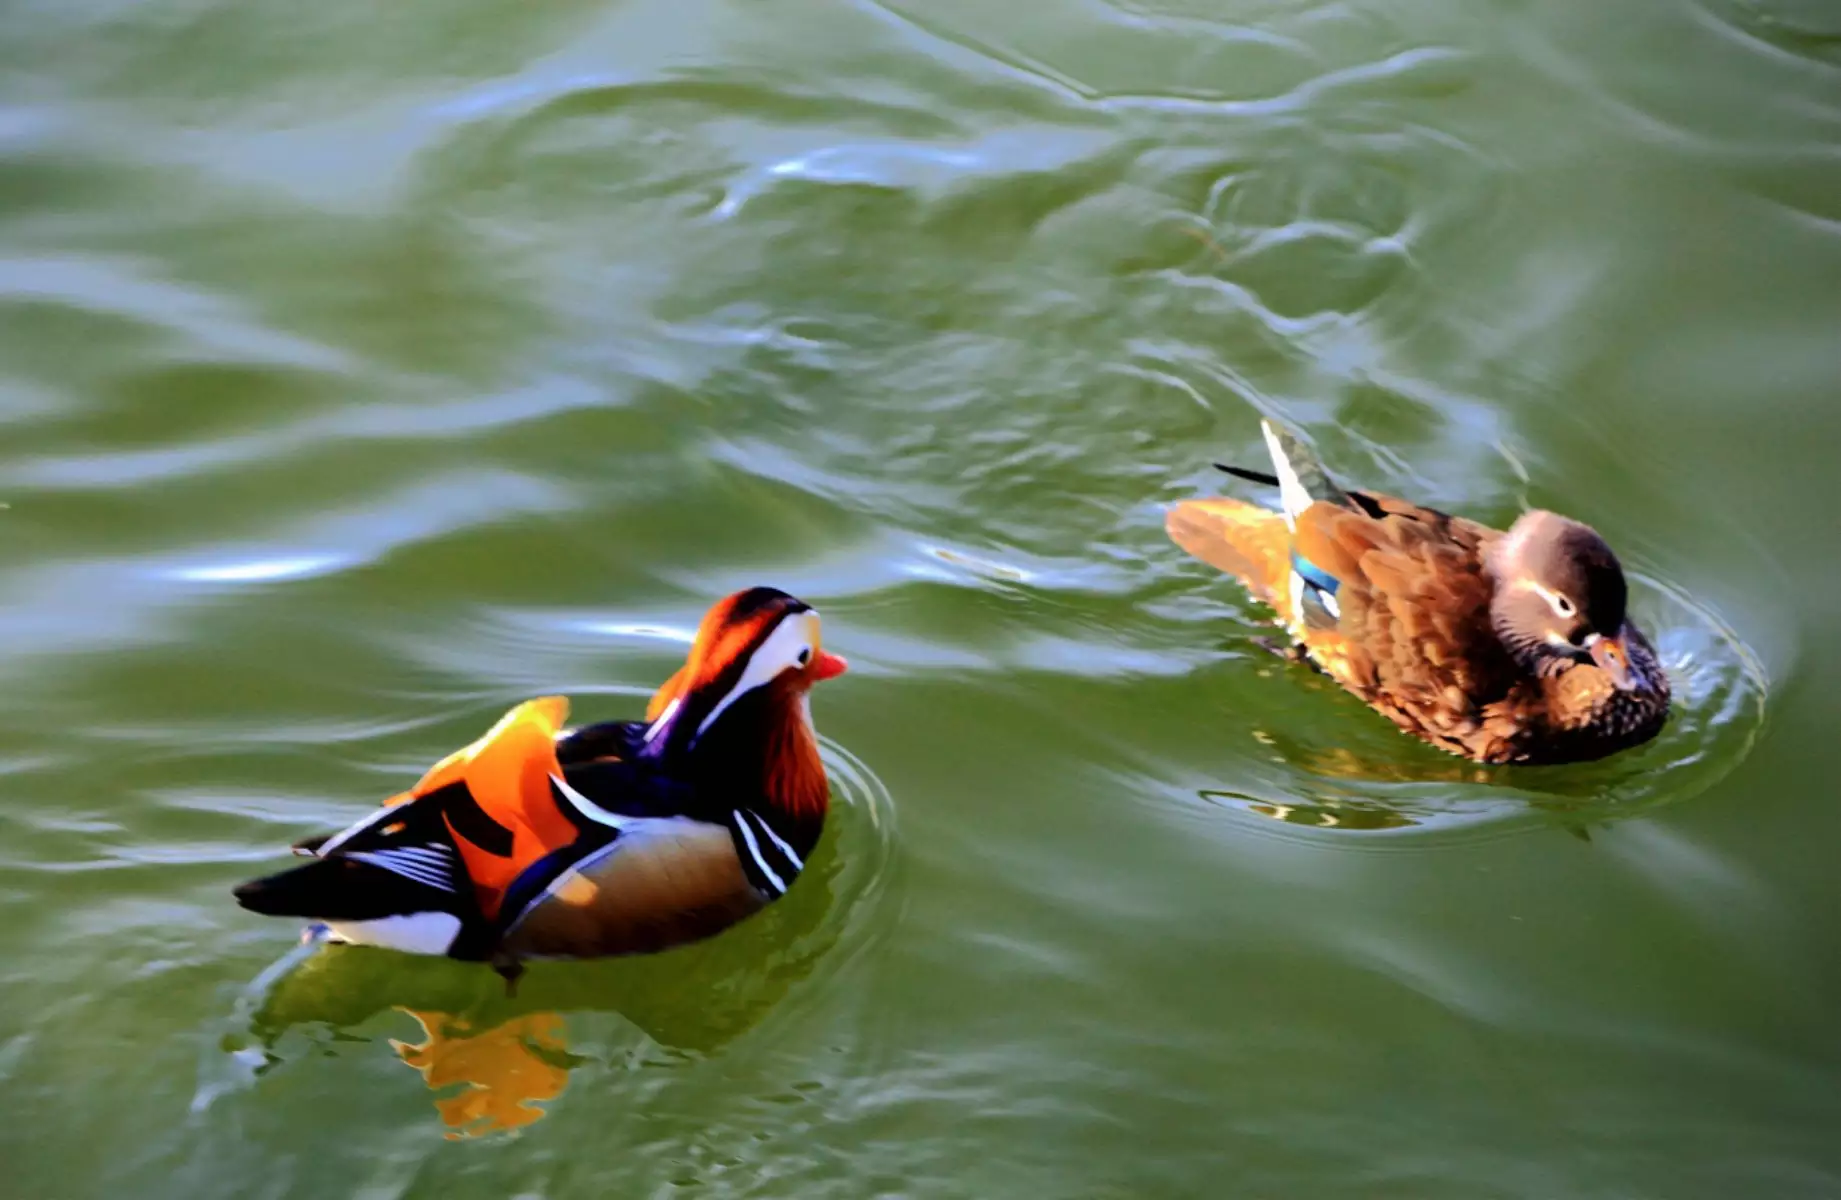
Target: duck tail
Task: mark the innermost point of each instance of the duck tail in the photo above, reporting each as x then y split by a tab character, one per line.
340	888
1302	481
1248	541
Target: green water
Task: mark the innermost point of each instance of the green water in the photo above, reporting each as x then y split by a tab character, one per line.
367	368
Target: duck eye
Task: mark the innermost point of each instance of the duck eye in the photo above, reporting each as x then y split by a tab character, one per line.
805	656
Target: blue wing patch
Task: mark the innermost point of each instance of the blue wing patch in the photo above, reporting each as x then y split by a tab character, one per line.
1317	597
1314	575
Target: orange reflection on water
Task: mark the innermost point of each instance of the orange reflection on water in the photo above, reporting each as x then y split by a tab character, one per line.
505	1071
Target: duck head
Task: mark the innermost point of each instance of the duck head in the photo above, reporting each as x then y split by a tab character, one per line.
1559	600
737	716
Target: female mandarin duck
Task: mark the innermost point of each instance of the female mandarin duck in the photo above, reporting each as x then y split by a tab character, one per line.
619	838
1502	647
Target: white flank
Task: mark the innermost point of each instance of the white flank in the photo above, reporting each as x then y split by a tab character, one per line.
412	933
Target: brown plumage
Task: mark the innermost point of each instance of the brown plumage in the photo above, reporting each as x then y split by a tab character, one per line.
681	885
1501	647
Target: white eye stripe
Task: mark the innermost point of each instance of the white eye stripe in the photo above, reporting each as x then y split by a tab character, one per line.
781	651
1561	605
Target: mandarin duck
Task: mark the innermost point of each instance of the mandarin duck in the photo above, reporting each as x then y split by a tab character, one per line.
618	838
1501	647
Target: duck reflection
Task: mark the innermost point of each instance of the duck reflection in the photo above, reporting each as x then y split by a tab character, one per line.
494	1060
1354	788
503	1073
1330	814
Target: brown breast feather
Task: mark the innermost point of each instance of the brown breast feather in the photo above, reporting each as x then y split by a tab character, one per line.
679	884
1414	639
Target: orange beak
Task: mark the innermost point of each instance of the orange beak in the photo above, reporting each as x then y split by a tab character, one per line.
1613	658
828	666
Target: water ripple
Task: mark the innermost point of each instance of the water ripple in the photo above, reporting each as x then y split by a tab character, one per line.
364	373
317	435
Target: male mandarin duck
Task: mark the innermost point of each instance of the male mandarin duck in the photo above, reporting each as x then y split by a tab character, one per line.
619	838
1502	647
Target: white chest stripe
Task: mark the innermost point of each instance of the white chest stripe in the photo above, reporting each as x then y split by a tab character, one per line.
798	863
754	849
588	808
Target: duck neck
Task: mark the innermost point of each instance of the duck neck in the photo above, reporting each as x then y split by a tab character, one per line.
763	755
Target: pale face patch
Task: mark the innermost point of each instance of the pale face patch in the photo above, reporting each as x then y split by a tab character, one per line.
788	648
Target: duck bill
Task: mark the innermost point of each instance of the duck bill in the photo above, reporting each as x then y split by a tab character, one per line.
1612	656
828	666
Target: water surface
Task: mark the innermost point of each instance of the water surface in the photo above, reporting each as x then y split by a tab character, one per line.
367	369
